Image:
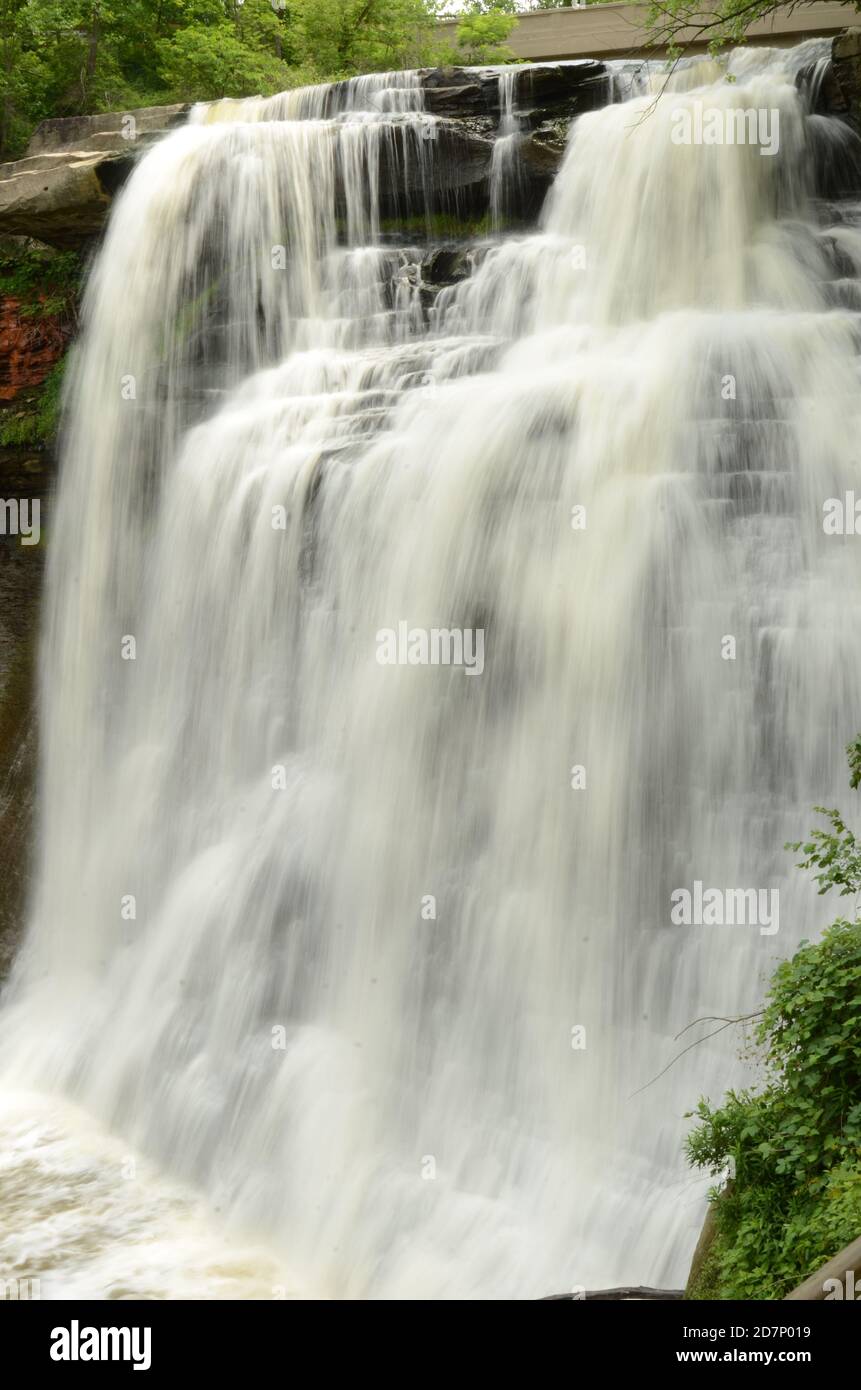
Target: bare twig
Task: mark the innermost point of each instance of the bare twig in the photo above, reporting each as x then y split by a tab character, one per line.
718	1018
726	1023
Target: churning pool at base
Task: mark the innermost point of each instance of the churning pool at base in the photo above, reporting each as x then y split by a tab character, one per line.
84	1217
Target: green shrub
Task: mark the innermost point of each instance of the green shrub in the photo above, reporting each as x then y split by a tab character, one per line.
45	281
794	1145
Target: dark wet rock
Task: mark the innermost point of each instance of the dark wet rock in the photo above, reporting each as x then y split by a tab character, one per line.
539	89
841	92
569	88
543	150
23	474
819	84
453	176
835	147
446	265
832	89
442	266
61	191
459	101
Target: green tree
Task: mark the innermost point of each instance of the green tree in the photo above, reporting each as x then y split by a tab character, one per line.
340	38
76	40
482	32
225	49
70	57
24	78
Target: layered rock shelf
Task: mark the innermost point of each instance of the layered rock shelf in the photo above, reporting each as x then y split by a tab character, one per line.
61	191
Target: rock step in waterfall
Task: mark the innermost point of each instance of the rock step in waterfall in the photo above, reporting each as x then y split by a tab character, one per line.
61	190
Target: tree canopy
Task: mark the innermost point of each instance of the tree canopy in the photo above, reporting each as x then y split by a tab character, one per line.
72	57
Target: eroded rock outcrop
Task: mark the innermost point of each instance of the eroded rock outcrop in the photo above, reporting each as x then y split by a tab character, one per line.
61	191
541	91
842	94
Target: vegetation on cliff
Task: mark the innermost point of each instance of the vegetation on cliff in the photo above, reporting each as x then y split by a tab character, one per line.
39	289
793	1146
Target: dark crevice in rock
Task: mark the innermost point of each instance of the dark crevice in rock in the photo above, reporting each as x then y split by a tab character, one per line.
113	173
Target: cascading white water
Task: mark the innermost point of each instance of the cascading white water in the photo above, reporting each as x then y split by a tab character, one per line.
504	164
281	807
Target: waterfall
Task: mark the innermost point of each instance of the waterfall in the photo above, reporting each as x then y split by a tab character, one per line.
504	166
376	961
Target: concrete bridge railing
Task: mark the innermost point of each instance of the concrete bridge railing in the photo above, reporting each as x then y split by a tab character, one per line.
619	31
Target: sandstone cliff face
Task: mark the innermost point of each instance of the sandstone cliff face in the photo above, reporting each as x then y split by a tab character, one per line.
29	349
60	192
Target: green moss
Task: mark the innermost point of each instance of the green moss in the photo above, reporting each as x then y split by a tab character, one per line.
189	319
706	1285
38	421
45	281
440	226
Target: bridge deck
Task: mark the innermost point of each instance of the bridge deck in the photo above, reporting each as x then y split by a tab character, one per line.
619	31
